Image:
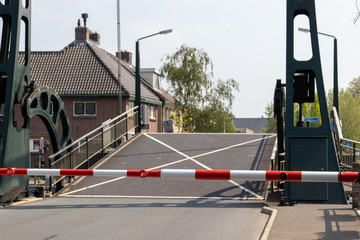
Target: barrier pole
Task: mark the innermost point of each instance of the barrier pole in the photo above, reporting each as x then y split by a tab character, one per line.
196	174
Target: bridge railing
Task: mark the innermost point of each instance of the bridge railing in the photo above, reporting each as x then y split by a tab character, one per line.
348	151
94	145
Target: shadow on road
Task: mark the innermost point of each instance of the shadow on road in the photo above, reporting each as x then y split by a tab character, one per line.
145	203
337	225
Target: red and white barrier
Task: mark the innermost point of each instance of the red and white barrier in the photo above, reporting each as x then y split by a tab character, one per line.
255	175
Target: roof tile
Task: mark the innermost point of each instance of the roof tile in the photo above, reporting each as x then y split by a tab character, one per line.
83	68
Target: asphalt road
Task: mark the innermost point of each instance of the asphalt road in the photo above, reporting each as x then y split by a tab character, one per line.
115	218
132	208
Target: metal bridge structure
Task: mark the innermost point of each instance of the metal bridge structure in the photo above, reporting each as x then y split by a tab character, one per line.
20	97
307	147
146	187
301	148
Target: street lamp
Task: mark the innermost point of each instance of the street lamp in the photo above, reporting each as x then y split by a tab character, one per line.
336	88
119	55
137	76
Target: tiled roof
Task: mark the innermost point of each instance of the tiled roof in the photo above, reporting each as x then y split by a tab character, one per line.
84	69
255	124
165	95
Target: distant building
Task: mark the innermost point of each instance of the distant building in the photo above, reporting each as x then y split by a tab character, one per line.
152	77
249	125
243	130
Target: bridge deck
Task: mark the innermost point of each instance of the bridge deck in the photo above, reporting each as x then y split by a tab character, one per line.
183	151
124	208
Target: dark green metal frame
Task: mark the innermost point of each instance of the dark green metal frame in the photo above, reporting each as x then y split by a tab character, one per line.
308	148
21	99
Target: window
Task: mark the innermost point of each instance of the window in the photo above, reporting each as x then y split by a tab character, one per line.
131	106
84	109
152	112
34	145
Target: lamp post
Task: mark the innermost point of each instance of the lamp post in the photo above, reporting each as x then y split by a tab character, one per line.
336	88
137	76
119	55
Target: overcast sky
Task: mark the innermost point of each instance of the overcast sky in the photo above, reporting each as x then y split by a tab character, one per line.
244	39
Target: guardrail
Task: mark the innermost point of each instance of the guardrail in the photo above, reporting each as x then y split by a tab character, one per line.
348	151
91	147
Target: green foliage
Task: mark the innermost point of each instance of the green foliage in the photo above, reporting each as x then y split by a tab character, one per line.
309	110
349	107
203	105
271	121
209	120
189	72
177	119
354	87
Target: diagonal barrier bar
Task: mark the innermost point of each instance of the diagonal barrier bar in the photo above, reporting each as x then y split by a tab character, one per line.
196	174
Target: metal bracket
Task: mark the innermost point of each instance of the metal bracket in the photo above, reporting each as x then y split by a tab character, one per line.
45	103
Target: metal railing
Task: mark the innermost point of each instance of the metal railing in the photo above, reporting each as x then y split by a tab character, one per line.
93	146
277	161
348	151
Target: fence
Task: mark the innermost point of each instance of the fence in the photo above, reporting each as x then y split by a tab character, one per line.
91	147
349	153
347	150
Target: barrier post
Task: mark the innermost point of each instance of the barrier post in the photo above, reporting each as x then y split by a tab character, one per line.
87	151
354	150
102	142
356	187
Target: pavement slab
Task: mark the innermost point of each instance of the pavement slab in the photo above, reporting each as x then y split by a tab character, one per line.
315	221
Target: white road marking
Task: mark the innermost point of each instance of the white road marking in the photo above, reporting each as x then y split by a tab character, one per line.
66	194
92	186
208	153
206	167
98	164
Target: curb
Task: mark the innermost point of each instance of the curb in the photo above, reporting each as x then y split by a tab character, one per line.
272	212
25	200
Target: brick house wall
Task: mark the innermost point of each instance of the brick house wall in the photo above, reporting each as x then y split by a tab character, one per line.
85	73
106	108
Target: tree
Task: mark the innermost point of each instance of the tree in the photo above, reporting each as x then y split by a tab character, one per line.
203	105
215	114
354	87
350	115
308	110
271	121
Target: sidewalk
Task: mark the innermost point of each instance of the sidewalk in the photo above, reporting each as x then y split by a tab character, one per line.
315	221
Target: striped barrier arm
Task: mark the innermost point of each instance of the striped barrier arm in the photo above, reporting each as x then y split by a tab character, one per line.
255	175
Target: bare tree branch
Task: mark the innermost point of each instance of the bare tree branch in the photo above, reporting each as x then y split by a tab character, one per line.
358	12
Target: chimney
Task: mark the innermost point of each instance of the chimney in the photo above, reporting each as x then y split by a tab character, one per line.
127	57
95	37
82	33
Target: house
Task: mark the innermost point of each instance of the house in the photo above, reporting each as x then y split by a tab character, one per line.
152	77
86	78
250	125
